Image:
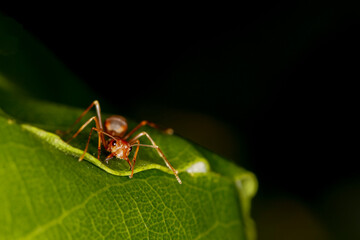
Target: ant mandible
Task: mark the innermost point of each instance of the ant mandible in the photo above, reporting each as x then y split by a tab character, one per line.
118	145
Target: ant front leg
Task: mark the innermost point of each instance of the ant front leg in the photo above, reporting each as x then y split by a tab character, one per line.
161	154
169	131
100	131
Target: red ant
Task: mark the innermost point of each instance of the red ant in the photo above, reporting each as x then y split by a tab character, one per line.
118	145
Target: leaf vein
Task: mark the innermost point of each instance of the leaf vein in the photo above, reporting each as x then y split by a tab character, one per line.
182	227
123	215
142	218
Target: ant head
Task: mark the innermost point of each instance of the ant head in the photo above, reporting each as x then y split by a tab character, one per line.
112	144
119	148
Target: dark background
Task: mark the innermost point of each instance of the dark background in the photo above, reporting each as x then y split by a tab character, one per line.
271	86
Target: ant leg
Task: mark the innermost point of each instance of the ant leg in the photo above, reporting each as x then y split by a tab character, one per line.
99	141
87	145
161	154
100	136
83	126
98	112
169	131
134	158
111	155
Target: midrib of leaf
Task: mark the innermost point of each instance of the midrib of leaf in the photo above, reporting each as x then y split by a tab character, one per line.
58	143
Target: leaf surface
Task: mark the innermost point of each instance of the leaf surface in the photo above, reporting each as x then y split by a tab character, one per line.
47	194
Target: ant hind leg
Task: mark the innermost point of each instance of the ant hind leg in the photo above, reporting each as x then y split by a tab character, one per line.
169	131
98	112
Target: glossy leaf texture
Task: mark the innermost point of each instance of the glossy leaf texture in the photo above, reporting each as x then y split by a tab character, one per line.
47	194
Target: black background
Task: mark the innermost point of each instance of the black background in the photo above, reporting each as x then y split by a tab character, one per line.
276	80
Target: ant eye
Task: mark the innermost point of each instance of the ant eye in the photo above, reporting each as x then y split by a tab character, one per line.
114	143
130	149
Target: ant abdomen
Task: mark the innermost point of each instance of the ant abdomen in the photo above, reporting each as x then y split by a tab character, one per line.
116	126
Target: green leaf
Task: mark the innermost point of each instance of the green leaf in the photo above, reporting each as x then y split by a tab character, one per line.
40	171
47	194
